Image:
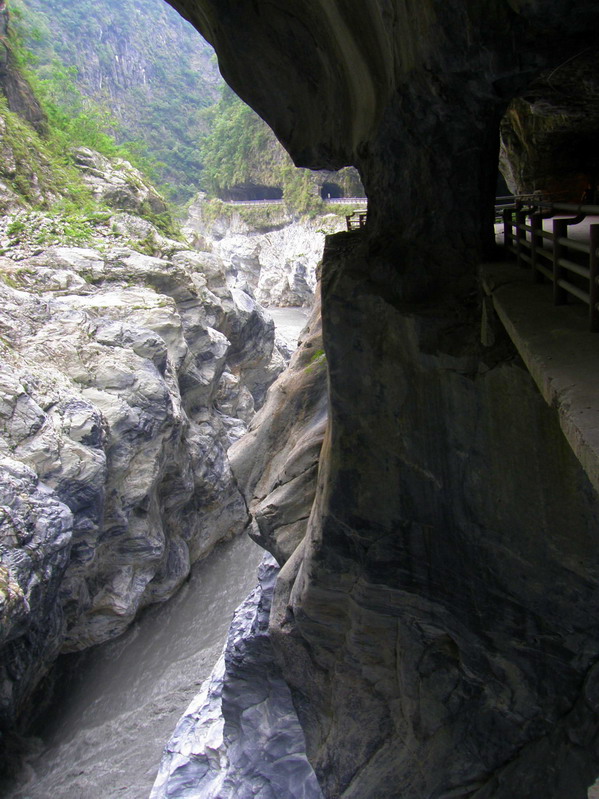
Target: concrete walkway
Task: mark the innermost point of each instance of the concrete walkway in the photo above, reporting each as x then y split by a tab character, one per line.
560	353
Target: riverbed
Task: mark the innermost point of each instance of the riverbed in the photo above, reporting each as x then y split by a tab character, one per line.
289	322
117	704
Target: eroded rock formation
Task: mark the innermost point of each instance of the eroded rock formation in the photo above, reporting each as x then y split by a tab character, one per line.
549	135
276	463
118	184
124	379
437	623
265	247
240	737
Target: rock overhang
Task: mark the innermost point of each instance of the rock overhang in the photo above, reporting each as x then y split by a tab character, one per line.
324	74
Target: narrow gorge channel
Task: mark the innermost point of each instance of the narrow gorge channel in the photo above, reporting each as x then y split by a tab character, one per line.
116	705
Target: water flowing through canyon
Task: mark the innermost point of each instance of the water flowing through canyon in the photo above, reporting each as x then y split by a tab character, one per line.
116	705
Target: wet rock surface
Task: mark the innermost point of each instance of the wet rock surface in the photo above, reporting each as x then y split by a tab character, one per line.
240	737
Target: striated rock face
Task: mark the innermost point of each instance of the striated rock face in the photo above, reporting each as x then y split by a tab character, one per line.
276	463
35	535
437	626
240	737
439	564
268	250
548	135
124	379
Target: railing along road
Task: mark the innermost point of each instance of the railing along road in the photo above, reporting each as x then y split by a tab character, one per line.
326	200
356	219
569	262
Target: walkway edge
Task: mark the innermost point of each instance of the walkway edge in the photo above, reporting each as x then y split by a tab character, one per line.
560	353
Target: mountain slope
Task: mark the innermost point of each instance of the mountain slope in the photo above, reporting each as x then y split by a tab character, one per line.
155	78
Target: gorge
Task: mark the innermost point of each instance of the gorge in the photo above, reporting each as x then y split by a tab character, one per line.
436	622
434	617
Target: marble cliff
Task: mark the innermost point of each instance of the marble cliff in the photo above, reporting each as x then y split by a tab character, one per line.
272	251
124	378
435	617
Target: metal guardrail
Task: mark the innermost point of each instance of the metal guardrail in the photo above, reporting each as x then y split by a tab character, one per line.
346	200
327	201
252	202
572	266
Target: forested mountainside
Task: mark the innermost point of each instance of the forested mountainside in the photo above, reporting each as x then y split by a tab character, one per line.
148	78
153	77
242	160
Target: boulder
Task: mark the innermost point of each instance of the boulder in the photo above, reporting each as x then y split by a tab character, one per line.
117	183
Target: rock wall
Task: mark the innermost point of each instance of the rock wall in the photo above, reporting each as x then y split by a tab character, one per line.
276	463
266	248
13	85
548	135
437	627
125	378
430	617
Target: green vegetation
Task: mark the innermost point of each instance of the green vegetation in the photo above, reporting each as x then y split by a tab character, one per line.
257	217
241	149
42	176
37	170
62	224
74	119
40	169
317	360
131	78
155	77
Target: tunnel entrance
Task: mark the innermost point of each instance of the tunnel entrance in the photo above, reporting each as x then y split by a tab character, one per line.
331	191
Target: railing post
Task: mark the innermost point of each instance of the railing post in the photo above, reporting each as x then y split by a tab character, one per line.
520	233
536	241
508	238
560	230
594	278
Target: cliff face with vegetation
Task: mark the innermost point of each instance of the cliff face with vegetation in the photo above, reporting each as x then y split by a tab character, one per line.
437	622
242	160
104	60
133	70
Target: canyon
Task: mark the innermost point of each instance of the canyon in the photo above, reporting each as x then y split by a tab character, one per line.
436	621
432	622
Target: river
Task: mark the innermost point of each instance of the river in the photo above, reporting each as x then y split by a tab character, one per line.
289	322
117	704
